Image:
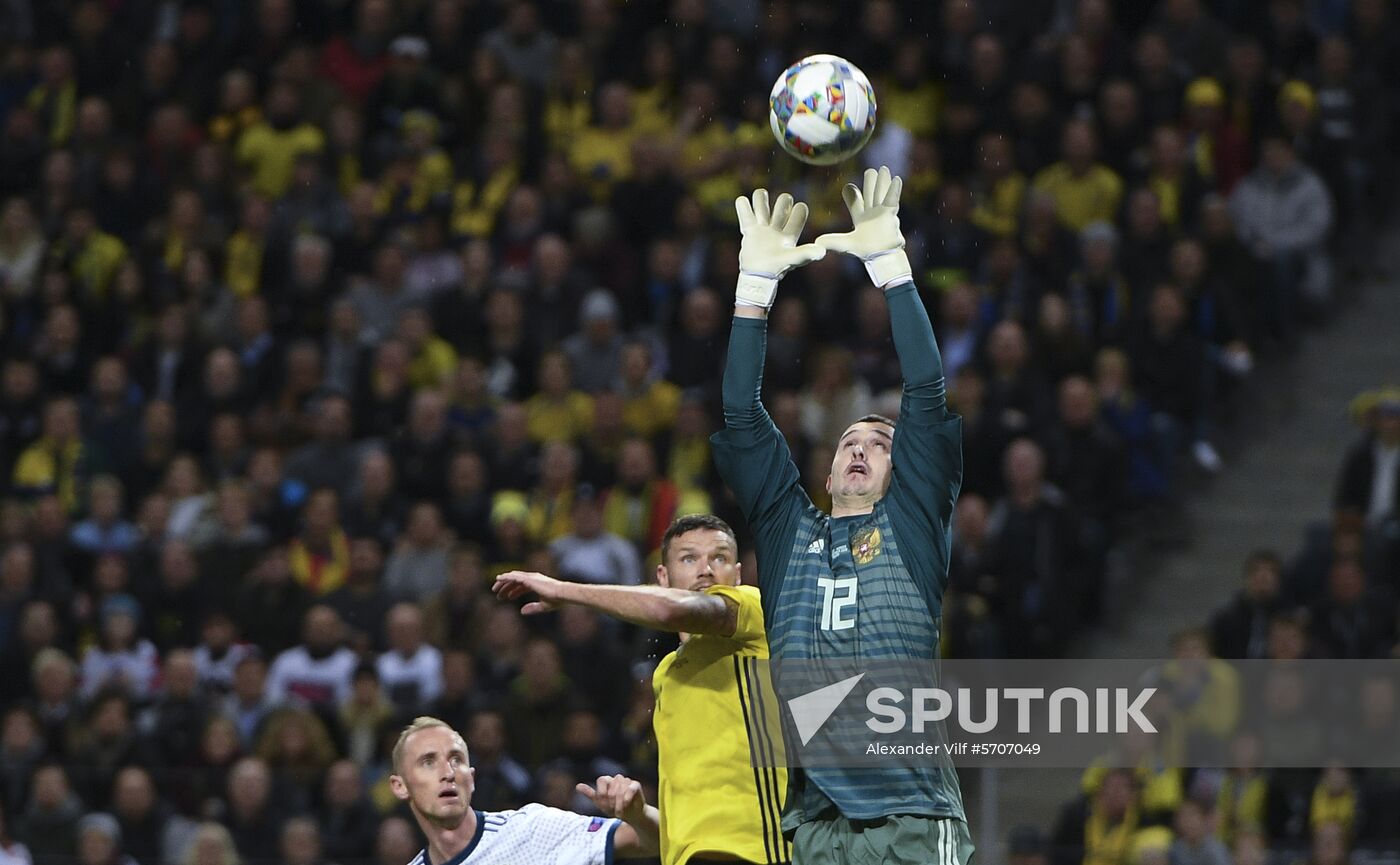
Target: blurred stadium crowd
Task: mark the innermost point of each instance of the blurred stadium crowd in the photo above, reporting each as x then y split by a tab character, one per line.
1334	599
317	314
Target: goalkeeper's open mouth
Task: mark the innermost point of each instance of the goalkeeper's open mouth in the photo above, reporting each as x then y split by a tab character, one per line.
449	794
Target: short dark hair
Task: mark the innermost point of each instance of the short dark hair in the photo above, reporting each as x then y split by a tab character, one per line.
875	418
870	418
690	523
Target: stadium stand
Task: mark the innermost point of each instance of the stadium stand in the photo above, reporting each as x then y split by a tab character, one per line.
1334	599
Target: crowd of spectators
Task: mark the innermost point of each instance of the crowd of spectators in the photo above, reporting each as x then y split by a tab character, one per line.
317	314
1337	598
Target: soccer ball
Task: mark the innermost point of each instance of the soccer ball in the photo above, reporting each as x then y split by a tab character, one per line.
822	109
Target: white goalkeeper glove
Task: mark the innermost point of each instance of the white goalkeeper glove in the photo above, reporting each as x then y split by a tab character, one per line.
769	248
875	239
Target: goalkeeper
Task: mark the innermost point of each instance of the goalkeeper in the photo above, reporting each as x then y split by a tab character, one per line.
865	581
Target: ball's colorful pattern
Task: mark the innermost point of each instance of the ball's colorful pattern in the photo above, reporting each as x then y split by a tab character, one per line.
822	109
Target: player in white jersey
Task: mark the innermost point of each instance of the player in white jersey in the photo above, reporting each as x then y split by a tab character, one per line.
432	774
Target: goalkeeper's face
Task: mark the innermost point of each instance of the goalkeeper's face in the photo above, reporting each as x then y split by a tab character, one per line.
698	559
860	471
434	776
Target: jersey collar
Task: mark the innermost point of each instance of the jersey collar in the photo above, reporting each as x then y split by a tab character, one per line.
467	851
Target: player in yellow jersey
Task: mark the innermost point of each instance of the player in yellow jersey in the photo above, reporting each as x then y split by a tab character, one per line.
720	794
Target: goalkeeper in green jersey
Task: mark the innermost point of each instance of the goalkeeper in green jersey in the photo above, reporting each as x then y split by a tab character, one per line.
866	581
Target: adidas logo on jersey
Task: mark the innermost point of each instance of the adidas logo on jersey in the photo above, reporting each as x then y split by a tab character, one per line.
815	547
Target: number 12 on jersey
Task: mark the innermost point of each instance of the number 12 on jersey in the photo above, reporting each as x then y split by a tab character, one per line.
838	603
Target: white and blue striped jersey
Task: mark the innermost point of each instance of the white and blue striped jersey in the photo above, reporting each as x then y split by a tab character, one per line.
535	835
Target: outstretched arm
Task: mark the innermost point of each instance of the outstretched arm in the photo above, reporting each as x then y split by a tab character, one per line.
927	451
743	372
878	242
925	392
655	607
769	249
751	455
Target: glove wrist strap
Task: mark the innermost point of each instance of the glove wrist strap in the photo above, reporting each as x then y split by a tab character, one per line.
889	268
756	289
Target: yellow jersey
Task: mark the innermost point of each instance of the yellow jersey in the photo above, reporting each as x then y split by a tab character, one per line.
561	420
720	793
1082	199
271	154
98	262
243	263
652	410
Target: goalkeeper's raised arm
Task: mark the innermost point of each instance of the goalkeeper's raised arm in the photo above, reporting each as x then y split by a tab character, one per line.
752	456
926	451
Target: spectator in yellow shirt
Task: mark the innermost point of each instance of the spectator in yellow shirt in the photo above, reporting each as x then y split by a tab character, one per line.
1102	825
58	463
654	105
238	107
344	148
1242	802
601	155
243	254
922	181
711	149
1159	782
552	499
1334	800
477	201
558	413
651	402
269	149
185	228
746	166
689	465
1084	189
433	361
54	100
421	174
92	256
568	97
998	189
319	555
910	97
1205	699
1173	178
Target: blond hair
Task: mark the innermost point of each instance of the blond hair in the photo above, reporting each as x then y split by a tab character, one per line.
220	835
422	722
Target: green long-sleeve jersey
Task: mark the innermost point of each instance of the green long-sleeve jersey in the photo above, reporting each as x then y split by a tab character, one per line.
852	588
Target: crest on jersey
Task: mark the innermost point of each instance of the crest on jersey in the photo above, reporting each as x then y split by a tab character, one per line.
866	545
